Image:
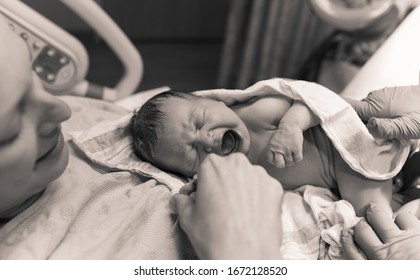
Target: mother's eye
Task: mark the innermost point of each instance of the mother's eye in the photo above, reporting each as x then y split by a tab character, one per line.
15	127
12	136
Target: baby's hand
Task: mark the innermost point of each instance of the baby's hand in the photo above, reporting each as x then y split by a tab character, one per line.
286	145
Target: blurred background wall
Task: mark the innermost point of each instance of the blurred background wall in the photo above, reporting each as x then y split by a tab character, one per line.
180	40
201	44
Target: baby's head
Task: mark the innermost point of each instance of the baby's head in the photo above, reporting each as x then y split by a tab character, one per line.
176	131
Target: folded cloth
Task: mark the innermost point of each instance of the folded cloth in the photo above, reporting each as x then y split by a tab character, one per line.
313	219
109	144
374	159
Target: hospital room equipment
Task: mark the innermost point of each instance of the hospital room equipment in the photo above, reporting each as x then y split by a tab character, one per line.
122	216
352	18
61	61
360	28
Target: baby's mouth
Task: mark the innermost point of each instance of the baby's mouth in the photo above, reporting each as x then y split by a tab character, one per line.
230	142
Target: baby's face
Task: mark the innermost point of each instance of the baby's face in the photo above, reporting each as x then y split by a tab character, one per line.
32	149
193	129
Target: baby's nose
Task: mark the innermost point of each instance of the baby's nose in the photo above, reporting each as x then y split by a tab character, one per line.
206	140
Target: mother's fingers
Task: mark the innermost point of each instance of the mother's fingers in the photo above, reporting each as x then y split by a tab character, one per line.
188	188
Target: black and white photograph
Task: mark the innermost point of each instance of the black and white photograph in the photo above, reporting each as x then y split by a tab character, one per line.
187	131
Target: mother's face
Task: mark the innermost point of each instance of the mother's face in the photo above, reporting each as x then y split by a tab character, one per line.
32	150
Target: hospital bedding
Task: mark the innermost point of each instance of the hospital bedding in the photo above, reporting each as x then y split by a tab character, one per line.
100	209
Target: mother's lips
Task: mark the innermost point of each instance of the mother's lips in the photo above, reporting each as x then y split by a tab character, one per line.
55	135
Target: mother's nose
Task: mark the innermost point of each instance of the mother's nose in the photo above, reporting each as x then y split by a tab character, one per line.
55	111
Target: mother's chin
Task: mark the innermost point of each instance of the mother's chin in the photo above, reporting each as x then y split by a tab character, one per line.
51	167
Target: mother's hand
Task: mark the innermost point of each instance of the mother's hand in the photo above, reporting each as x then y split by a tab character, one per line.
236	210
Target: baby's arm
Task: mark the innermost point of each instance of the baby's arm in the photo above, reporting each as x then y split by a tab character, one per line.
300	116
359	190
286	145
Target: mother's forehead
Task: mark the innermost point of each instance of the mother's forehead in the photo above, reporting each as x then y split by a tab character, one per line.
10	41
15	67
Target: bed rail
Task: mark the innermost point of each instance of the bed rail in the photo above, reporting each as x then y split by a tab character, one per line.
61	61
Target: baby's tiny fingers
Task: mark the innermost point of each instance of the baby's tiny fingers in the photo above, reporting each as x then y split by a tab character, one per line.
297	156
270	157
279	161
289	159
276	158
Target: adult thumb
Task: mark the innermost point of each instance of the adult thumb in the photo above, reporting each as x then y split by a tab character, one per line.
182	205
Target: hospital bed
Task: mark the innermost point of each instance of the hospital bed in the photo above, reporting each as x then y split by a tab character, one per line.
61	61
97	211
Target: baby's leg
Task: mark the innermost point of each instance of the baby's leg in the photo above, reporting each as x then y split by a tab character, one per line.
359	190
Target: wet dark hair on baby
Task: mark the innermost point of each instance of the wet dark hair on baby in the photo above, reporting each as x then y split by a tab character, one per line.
147	122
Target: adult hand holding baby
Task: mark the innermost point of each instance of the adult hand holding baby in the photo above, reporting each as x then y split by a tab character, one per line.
382	238
234	214
392	112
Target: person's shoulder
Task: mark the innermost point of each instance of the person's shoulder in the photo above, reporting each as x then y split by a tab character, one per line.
89	103
87	112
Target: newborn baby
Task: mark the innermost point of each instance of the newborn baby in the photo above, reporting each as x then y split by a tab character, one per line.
176	131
